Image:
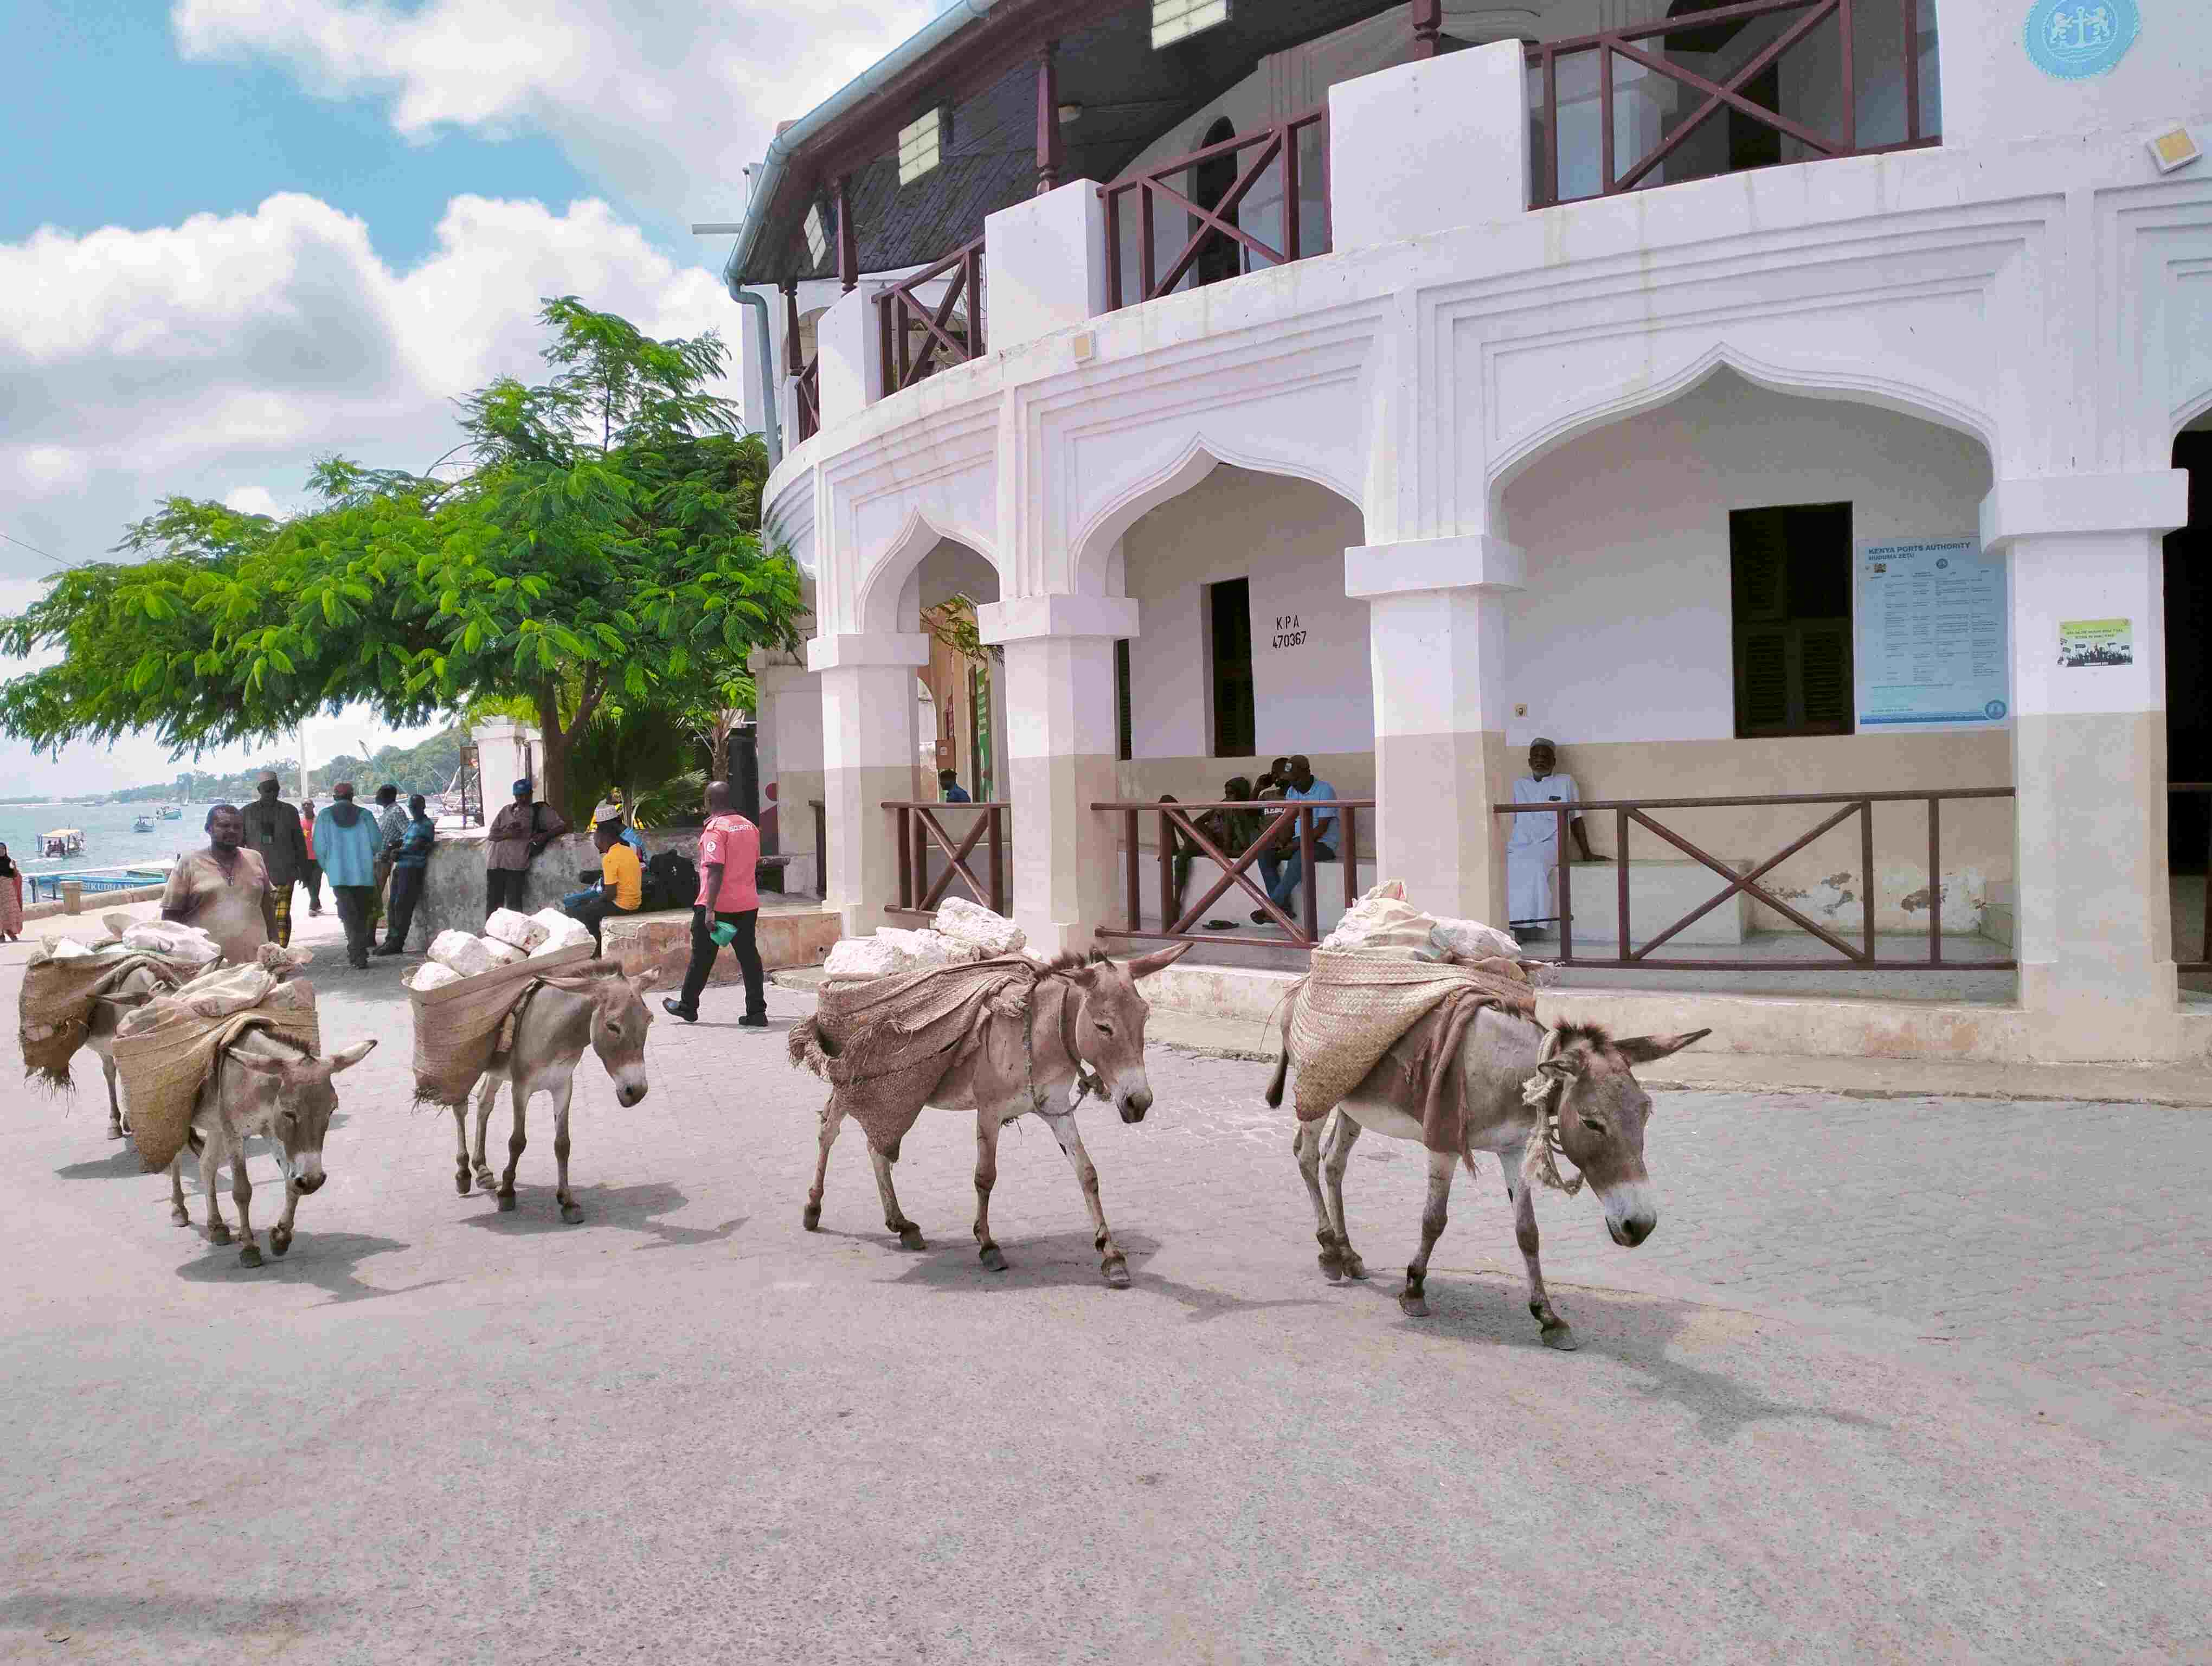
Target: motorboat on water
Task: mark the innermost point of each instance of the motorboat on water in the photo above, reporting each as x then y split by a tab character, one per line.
169	812
62	842
143	824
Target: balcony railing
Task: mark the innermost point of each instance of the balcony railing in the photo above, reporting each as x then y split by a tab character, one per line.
918	830
806	389
1229	224
1286	828
902	318
1637	141
1862	957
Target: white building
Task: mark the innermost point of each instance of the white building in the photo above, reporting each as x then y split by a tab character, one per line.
1608	345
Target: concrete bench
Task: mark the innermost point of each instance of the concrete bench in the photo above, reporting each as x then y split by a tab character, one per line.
1660	893
659	941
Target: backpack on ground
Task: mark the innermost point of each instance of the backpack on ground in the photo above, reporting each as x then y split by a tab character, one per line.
672	881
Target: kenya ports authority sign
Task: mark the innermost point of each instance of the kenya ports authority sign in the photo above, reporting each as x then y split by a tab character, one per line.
2074	40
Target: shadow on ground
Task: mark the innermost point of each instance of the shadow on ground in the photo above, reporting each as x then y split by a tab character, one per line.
323	1260
630	1208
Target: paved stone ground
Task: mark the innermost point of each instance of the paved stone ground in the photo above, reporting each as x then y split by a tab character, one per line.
1895	1379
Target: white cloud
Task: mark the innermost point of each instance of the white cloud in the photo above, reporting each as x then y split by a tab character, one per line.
219	357
665	104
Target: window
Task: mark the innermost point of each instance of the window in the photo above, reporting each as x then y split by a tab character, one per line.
817	234
1229	633
1123	736
1791	590
918	146
1178	19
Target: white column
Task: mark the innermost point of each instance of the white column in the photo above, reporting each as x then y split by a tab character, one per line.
850	355
1060	758
1044	264
505	752
1400	140
1436	640
867	757
790	717
2094	922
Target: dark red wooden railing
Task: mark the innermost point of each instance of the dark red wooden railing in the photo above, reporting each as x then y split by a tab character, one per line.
1272	148
1644	47
807	387
901	314
1286	825
1862	959
917	828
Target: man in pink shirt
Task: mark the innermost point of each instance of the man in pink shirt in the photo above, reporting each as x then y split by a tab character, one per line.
729	850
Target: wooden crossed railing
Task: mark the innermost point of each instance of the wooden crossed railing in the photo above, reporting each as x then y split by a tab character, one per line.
1284	825
1612	45
1272	147
807	386
1863	958
918	829
900	309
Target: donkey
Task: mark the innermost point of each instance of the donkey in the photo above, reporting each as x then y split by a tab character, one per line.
1592	1100
1084	1025
133	990
553	1026
265	1085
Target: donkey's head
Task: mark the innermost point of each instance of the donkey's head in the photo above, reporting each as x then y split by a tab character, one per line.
620	1018
1106	1025
1602	1111
303	1102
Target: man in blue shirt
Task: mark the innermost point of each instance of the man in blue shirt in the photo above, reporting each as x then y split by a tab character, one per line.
347	839
950	789
1281	875
411	866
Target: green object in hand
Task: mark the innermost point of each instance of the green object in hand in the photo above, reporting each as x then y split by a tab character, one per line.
724	933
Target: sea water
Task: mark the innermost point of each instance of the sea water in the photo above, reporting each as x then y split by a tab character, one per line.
108	840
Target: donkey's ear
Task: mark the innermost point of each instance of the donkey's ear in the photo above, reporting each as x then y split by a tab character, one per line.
1159	960
641	985
258	1065
1643	1050
1564	1069
347	1058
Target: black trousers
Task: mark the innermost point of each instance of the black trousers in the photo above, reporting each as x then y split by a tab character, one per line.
702	959
399	909
354	904
503	888
311	877
593	910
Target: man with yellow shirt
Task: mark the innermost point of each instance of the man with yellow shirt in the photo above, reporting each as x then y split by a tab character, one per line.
621	874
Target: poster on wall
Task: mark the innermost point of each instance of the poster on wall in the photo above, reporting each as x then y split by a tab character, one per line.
2096	643
1932	643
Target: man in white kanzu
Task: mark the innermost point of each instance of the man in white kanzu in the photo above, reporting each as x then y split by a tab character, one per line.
1532	853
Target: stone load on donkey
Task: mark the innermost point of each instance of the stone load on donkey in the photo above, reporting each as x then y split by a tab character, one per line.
458	1024
63	984
167	1051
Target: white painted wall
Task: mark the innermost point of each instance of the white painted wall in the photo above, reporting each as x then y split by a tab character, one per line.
1623	631
1288	537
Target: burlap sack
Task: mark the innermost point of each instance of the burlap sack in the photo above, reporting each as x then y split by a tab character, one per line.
1356	1002
54	1011
166	1051
457	1026
883	1043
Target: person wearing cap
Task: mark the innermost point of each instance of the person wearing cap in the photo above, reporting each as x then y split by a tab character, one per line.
622	875
1532	850
274	834
411	866
347	839
518	834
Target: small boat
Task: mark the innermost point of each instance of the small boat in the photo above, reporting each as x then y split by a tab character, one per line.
62	842
169	812
143	824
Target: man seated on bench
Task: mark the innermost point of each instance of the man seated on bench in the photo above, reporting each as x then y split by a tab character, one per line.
621	875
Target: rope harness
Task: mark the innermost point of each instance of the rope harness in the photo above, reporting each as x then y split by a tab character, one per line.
1085	1083
1541	1157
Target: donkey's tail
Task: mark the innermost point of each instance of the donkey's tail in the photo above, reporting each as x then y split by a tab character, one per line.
1284	1006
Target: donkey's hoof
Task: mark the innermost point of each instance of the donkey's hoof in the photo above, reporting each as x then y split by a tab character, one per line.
115	1130
572	1213
1332	1266
992	1259
1560	1336
279	1242
178	1218
218	1233
506	1202
910	1238
1354	1266
813	1218
1116	1272
249	1256
1413	1304
484	1181
461	1182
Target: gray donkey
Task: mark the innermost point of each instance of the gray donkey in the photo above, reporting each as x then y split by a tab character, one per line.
1084	1025
137	987
1576	1084
555	1022
261	1086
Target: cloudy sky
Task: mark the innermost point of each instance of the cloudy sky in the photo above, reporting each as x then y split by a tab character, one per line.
252	231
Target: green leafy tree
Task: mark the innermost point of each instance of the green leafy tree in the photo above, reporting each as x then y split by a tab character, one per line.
593	539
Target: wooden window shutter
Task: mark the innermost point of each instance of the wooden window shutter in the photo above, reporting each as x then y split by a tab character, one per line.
1790	588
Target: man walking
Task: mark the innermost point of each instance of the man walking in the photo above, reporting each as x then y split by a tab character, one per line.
311	870
522	829
411	866
346	837
727	909
274	834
